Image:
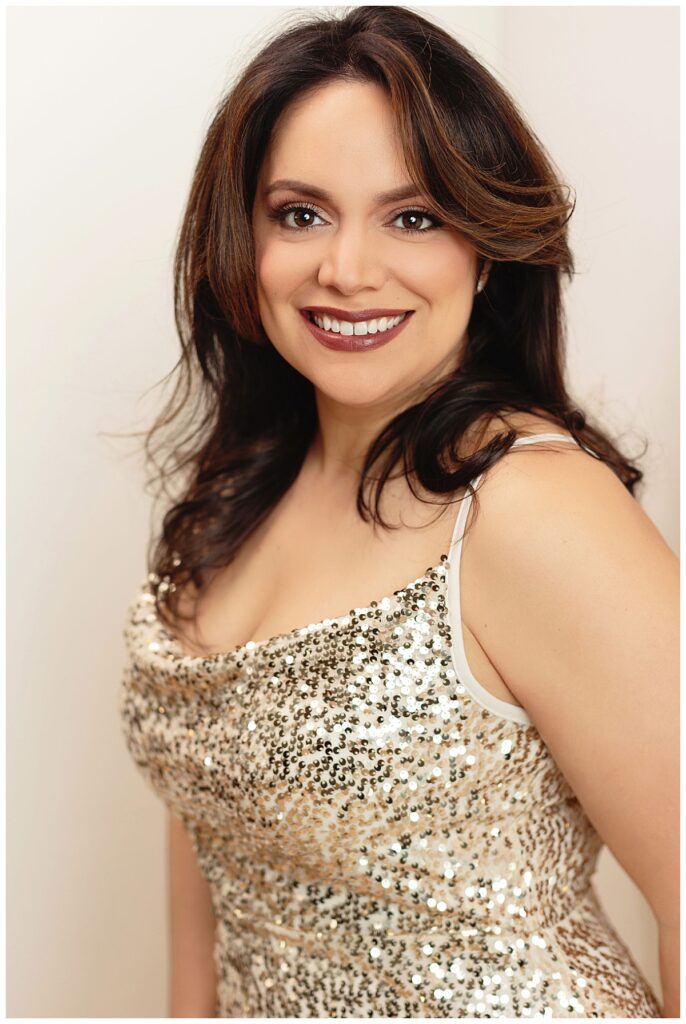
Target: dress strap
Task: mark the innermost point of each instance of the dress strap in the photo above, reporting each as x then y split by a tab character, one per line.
530	438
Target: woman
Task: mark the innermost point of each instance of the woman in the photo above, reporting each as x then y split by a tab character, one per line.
396	810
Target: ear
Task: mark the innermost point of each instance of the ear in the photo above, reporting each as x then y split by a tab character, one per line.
485	271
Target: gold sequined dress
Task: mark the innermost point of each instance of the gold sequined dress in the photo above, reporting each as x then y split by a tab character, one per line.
382	837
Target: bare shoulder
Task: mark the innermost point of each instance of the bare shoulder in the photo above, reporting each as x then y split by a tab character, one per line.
577	606
540	494
572	572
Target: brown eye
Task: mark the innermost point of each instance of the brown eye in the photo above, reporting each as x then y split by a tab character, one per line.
411	220
415	220
295	217
302	218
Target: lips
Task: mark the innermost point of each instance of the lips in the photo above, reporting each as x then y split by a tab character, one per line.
353	342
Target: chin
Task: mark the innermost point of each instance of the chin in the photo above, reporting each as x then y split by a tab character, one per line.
358	389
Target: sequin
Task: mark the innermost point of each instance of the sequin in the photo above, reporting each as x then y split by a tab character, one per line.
377	842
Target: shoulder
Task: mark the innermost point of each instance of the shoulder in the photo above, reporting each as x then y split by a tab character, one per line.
572	573
541	494
549	478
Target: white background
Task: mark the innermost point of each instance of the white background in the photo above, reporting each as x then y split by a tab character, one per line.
107	107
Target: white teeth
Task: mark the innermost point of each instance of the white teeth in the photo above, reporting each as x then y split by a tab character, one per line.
359	328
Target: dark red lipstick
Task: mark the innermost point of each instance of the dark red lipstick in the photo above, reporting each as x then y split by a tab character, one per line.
353	342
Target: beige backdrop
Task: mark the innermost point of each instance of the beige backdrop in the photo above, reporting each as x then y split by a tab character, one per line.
107	109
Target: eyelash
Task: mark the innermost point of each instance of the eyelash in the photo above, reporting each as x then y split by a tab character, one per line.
280	213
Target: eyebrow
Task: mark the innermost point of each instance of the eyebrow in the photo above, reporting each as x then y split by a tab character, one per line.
395	195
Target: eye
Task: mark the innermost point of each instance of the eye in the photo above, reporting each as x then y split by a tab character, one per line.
418	221
296	216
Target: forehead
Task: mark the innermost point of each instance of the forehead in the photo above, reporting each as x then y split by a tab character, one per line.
343	131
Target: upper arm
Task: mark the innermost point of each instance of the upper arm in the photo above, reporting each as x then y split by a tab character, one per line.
577	607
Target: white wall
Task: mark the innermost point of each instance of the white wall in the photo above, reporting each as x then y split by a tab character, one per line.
106	111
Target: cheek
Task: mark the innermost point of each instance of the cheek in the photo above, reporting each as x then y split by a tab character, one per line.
440	273
281	268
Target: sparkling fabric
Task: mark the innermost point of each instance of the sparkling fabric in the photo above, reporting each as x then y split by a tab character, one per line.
377	842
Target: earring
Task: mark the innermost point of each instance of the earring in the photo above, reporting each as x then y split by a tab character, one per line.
480	286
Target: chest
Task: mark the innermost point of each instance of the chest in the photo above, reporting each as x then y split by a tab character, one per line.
308	563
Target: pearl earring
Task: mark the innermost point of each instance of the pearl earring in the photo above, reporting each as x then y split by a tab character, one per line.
479	286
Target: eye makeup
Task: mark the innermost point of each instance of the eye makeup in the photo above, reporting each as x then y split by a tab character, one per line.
279	214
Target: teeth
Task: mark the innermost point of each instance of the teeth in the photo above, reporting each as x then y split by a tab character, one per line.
360	328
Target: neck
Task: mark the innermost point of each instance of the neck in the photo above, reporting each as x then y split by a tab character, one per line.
345	432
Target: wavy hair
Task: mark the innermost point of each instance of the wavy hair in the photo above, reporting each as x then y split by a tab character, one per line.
482	171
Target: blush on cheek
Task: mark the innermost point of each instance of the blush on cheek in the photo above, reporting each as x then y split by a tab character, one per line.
282	269
440	269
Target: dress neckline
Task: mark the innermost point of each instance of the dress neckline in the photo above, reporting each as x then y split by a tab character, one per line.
173	648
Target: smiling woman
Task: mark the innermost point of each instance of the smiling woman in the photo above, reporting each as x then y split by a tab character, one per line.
387	798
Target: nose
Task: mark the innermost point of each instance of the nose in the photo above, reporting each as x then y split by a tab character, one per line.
351	261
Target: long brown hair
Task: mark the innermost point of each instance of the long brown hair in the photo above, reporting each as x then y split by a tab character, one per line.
249	416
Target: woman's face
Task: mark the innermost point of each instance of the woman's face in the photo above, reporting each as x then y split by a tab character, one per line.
341	231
